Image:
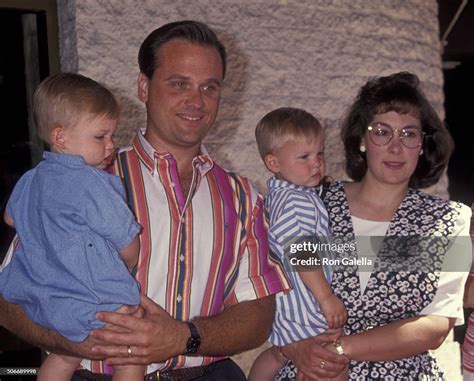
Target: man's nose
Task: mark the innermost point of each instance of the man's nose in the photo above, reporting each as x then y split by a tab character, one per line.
195	97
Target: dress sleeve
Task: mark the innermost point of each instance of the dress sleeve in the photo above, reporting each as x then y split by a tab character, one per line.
107	213
448	300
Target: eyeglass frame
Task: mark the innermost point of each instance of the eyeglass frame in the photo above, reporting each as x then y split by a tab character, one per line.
393	131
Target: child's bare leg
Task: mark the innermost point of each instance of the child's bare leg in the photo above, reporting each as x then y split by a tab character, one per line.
129	373
58	368
267	364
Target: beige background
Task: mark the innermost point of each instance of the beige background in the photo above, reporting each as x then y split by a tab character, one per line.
312	54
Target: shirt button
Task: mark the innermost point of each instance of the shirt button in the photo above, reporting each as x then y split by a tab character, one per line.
182	220
179	298
172	184
181	258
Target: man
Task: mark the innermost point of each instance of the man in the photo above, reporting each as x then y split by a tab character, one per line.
204	260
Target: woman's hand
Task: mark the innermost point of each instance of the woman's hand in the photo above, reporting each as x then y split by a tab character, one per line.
313	360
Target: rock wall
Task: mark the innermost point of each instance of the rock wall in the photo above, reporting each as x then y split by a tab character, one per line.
312	54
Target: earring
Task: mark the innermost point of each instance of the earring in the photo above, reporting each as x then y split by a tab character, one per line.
362	148
421	152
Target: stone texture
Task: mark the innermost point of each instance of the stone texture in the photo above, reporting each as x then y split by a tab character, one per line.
312	54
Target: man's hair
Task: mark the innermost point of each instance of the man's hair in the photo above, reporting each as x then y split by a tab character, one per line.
62	99
284	124
192	31
399	92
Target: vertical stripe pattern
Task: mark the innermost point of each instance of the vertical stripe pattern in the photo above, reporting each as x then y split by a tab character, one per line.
204	251
295	212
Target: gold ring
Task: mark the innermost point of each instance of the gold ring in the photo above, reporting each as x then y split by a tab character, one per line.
323	364
129	351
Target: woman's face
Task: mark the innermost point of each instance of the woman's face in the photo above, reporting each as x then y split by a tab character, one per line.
392	163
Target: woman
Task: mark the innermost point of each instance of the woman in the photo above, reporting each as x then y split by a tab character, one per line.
400	303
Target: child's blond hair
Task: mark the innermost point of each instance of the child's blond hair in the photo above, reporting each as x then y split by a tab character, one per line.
284	124
61	99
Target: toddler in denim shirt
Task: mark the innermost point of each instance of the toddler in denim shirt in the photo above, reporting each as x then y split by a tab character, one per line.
78	239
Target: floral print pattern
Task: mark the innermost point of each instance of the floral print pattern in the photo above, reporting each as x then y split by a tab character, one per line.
404	280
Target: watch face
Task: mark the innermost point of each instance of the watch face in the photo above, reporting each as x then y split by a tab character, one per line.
194	341
193	344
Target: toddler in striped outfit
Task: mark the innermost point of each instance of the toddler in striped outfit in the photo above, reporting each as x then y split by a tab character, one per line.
291	144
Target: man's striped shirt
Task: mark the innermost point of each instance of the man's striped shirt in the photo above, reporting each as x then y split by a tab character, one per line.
198	253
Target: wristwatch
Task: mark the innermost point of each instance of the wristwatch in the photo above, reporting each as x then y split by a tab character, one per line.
338	345
194	341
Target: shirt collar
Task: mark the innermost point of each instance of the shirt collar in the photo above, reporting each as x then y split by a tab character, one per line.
64	158
274	183
148	155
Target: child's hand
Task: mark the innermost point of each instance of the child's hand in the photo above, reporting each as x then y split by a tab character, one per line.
334	311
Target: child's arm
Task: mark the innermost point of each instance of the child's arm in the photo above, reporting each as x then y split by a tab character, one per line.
332	307
129	254
8	219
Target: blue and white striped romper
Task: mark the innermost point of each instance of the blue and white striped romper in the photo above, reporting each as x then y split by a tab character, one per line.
295	211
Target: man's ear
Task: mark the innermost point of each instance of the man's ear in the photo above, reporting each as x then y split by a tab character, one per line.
271	162
56	137
142	87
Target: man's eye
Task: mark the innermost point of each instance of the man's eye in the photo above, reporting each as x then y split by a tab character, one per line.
100	137
304	156
210	88
179	84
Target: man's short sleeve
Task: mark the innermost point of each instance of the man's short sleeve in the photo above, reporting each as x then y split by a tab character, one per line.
260	272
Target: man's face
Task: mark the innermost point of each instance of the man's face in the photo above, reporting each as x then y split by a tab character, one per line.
182	97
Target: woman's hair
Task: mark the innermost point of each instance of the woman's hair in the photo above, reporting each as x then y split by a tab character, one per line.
284	124
192	31
62	99
399	92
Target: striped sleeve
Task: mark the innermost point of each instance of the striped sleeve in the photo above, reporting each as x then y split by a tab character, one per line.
294	215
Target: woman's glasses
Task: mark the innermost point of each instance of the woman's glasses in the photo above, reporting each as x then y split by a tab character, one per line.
382	134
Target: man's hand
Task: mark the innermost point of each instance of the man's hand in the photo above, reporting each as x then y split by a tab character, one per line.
152	338
307	355
15	320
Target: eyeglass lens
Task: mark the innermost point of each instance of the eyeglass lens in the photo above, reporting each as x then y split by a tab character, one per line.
381	135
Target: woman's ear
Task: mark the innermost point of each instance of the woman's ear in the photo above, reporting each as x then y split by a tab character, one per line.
56	137
363	145
271	162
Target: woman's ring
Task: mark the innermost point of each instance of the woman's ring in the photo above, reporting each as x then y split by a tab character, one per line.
323	364
129	351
